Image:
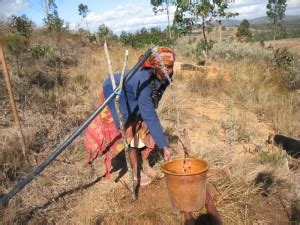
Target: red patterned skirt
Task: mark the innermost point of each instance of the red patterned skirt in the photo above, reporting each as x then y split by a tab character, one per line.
103	138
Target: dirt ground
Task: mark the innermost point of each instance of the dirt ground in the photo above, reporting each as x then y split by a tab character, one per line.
98	201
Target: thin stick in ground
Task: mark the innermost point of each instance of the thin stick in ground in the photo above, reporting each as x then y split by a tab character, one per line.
12	101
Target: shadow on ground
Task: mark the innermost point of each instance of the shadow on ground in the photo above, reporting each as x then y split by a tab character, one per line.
24	218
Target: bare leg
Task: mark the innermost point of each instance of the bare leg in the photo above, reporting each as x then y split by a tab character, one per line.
133	158
138	173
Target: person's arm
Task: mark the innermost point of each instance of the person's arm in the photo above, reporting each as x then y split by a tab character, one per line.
149	115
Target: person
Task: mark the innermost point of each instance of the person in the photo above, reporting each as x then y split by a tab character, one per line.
138	102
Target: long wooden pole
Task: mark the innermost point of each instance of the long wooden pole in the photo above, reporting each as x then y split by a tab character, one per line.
12	100
123	132
121	121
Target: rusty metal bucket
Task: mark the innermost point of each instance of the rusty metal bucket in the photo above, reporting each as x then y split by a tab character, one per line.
186	183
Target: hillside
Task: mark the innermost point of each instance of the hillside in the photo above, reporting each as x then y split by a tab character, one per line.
230	106
289	21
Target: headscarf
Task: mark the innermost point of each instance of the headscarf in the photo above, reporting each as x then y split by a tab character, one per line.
167	55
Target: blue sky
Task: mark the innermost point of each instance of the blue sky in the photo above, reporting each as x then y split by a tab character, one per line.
119	15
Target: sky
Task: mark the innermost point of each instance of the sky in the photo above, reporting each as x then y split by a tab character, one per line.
122	15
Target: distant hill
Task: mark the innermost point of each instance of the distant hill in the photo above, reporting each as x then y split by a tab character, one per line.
290	21
231	23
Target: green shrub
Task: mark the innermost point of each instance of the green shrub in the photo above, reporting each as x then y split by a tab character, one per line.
53	22
38	51
243	32
17	46
146	37
203	46
238	51
285	61
90	36
103	31
262	36
21	25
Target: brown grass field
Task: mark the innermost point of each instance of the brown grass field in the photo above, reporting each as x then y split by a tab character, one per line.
229	106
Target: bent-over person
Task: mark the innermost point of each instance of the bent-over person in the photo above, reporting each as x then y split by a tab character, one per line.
138	100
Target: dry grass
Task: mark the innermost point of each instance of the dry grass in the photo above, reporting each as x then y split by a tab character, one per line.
259	89
235	51
237	126
49	116
238	199
252	86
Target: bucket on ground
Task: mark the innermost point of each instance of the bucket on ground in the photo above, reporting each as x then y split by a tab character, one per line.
186	183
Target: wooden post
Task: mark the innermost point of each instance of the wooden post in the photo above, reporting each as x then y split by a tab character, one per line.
113	81
220	38
12	100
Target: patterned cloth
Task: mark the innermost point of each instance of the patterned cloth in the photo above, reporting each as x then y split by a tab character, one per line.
167	56
102	137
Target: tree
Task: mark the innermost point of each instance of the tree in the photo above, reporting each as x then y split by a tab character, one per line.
276	13
210	11
53	22
83	11
181	24
17	45
18	42
243	32
145	37
183	17
163	5
104	32
21	25
189	11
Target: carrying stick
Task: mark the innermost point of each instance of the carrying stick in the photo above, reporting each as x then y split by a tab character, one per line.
120	117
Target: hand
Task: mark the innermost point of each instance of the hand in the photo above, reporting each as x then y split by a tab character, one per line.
167	153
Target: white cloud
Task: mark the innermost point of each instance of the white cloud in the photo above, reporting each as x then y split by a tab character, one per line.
10	7
293	3
129	17
248	9
244	2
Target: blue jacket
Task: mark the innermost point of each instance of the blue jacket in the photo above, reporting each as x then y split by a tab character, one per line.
136	99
